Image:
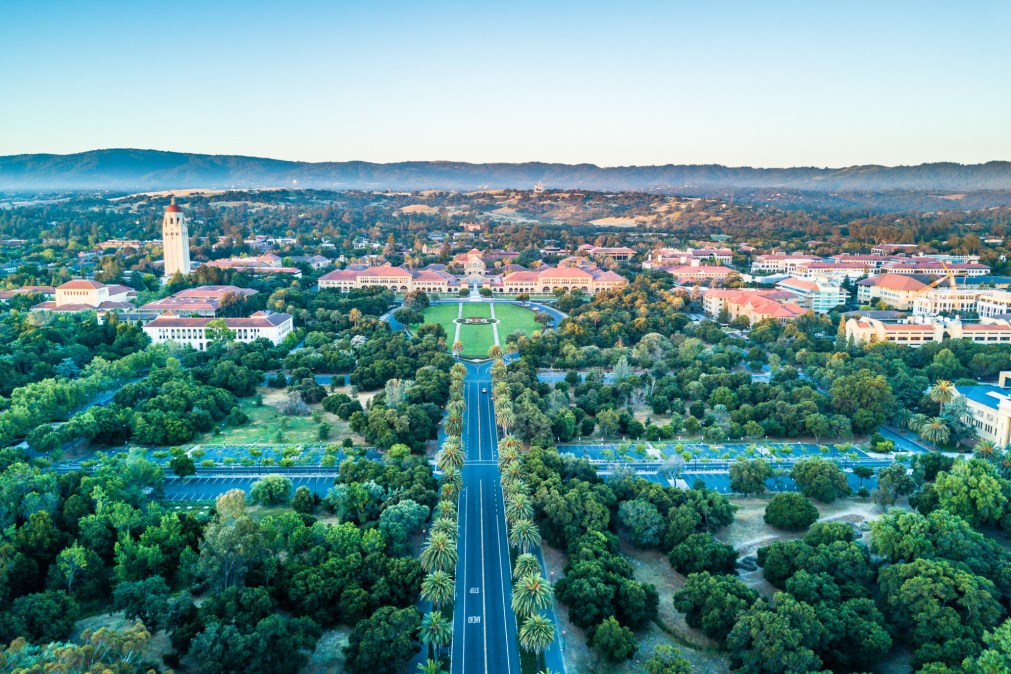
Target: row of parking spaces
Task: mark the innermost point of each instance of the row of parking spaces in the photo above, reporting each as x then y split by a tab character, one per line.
903	443
209	488
720	482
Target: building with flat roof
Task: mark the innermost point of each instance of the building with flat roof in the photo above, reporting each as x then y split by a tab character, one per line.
779	262
922	330
815	295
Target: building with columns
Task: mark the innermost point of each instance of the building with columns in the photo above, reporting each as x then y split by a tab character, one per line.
175	236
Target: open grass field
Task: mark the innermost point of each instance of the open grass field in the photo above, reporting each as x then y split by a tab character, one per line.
513	317
477	339
266	420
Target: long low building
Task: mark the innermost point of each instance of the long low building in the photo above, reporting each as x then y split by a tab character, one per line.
868	330
429	280
755	305
193	331
200	301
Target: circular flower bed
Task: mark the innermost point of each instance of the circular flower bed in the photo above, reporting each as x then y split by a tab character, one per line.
475	321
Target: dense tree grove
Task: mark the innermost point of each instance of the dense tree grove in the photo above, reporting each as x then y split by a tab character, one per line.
251	584
84	540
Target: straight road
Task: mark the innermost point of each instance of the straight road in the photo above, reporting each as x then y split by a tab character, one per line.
484	626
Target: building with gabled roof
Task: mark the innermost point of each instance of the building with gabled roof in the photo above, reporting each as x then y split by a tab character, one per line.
895	290
88	295
193	331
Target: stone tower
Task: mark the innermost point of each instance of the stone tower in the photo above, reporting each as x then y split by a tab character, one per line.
175	241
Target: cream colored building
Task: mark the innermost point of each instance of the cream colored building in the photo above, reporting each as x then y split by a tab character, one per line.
175	236
994	303
87	295
895	290
193	331
817	296
943	300
989	412
924	330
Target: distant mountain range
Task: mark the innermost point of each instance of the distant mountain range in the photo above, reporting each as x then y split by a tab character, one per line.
129	170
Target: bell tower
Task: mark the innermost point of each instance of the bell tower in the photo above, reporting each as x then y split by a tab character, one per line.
175	241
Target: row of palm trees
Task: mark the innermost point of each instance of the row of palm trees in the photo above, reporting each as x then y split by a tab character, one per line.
532	594
439	556
935	429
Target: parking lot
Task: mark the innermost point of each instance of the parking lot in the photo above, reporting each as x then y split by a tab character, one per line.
208	488
720	482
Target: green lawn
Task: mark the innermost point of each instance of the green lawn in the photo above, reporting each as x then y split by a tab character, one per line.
266	420
477	339
476	310
513	317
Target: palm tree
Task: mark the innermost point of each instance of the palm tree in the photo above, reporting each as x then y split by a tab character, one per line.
495	352
936	432
505	457
510	443
435	632
518	507
506	417
531	593
536	634
447	525
511	472
526	565
517	486
437	587
446	508
916	422
457	348
451	455
986	449
439	553
453	423
524	535
1005	464
942	393
431	667
451	475
354	316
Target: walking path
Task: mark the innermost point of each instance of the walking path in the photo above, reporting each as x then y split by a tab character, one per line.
494	326
459	317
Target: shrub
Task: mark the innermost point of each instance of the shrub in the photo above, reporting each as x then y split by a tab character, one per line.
791	511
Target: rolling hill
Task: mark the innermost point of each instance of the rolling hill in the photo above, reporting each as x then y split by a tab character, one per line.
128	169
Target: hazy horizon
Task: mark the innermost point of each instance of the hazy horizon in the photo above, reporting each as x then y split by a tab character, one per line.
643	84
527	161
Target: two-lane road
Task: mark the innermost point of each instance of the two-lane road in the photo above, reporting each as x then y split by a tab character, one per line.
484	629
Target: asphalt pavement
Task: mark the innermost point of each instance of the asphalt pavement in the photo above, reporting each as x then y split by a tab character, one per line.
484	626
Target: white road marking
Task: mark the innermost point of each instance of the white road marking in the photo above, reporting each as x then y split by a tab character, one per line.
484	606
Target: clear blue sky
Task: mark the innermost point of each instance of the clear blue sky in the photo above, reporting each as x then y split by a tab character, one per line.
611	83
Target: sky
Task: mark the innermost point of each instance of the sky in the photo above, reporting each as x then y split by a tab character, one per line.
735	82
